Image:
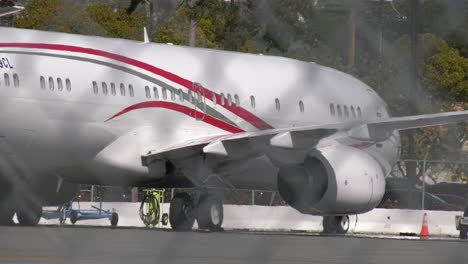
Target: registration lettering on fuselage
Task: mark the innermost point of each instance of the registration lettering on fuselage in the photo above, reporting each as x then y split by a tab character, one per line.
5	63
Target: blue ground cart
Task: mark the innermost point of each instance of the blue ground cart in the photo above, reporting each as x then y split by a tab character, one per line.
75	214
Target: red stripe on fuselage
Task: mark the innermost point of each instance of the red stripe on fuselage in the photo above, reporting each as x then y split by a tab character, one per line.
244	114
181	109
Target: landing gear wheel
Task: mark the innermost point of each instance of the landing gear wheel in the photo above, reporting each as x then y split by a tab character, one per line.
343	227
114	219
73	216
6	216
165	219
336	224
464	228
210	213
181	212
463	232
29	216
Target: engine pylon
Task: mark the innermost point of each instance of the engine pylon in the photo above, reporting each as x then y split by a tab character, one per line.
425	228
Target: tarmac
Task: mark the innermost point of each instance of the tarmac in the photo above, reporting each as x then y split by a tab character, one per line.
84	244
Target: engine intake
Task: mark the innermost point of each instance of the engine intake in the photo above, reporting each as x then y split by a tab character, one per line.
335	180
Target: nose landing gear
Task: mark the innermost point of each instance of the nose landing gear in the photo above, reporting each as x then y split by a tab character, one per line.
336	224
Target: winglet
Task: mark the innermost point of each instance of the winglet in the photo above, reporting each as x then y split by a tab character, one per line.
146	37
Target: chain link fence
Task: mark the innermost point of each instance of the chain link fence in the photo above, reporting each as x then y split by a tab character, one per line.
440	191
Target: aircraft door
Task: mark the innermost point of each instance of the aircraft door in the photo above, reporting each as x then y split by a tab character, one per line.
199	101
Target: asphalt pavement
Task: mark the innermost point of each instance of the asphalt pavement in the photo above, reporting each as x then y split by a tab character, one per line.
139	245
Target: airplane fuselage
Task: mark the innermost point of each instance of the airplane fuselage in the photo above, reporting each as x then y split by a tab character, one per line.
70	104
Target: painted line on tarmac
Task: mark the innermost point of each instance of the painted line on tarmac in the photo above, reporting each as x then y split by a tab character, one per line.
266	232
19	257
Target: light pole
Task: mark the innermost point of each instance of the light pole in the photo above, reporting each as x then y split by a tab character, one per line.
414	85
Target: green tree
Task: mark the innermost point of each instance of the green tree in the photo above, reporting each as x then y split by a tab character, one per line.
117	24
70	17
38	14
446	74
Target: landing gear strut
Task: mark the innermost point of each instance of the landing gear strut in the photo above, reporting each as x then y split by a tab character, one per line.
336	224
207	209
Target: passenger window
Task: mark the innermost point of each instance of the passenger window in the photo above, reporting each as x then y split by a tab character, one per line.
353	112
277	103
338	109
301	106
181	95
148	92
130	90
214	99
95	88
7	79
122	89
222	99
51	83
104	88
42	82
68	84
190	97
236	100
172	94
252	101
359	112
229	99
156	94
346	112
164	93
113	92
332	109
199	97
16	80
59	84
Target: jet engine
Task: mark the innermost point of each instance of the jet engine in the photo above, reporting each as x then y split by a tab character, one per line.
333	180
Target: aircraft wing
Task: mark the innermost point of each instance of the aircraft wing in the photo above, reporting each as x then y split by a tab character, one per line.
382	129
245	144
235	146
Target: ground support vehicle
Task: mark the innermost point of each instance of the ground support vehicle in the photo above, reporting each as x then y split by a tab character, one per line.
74	214
461	223
151	208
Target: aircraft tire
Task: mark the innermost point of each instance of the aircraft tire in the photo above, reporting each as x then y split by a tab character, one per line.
463	232
29	216
343	224
336	224
6	216
329	227
181	212
210	213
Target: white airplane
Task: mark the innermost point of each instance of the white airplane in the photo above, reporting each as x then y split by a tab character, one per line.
94	110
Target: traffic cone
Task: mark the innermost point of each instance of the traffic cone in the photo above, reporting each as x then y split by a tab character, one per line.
425	228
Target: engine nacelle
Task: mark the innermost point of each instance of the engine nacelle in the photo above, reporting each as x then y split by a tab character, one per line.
335	180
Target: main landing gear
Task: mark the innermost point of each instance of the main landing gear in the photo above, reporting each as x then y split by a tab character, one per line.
28	213
22	201
206	208
336	224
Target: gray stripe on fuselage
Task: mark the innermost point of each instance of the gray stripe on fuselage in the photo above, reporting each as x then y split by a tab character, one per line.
209	110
